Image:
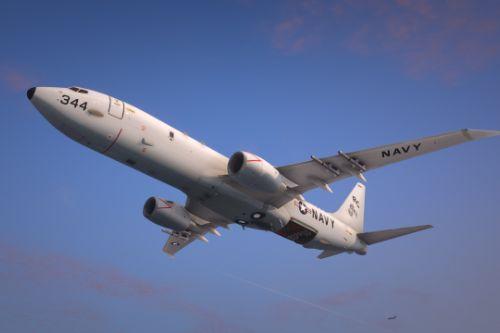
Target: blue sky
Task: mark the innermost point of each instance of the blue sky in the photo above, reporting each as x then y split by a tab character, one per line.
282	79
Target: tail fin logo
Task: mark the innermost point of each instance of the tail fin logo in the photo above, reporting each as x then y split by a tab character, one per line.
353	207
352	210
355	200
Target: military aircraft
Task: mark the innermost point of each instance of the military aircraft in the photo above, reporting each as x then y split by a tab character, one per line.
244	189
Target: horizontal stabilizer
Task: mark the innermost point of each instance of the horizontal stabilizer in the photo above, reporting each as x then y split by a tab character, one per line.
383	235
329	253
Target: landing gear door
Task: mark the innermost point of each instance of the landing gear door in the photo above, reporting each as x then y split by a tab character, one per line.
116	108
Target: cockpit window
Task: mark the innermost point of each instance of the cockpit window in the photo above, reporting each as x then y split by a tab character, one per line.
79	90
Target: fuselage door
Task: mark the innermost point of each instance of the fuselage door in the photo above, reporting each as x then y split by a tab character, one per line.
297	232
116	107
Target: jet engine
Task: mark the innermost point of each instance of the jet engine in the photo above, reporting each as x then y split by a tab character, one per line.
167	214
255	173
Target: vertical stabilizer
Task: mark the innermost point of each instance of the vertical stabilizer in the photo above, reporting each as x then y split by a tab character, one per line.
352	211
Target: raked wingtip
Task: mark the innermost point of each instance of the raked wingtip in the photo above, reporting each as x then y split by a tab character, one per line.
474	134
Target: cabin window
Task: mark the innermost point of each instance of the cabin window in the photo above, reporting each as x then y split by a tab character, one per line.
171	136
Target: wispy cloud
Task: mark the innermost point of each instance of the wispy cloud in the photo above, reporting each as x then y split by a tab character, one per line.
15	80
106	281
82	311
325	305
348	297
289	35
414	295
446	39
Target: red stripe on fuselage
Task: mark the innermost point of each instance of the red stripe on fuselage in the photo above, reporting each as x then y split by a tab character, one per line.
114	141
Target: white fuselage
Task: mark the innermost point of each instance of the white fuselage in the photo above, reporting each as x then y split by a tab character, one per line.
135	138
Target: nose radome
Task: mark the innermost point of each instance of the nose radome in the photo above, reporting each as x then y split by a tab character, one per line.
30	92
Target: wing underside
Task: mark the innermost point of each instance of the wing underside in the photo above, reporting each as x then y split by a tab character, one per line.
178	240
319	172
204	221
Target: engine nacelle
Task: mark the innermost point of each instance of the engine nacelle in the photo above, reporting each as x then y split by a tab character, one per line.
255	173
167	214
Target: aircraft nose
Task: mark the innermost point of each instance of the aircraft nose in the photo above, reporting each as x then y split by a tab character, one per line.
30	92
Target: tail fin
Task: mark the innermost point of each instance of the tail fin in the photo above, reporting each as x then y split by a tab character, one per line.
383	235
352	211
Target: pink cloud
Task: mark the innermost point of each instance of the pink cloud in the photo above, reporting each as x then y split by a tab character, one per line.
65	271
104	280
286	310
82	311
347	297
288	35
15	80
448	40
415	295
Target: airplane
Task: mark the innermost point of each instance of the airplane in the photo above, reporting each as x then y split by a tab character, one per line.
392	317
244	189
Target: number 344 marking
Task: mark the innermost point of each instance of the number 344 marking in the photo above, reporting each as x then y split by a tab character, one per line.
66	100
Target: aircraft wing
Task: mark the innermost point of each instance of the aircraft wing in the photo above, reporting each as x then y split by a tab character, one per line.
196	208
179	240
205	221
319	172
